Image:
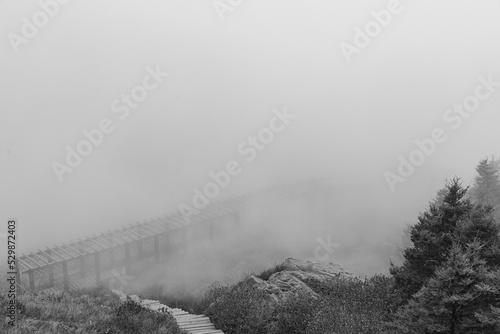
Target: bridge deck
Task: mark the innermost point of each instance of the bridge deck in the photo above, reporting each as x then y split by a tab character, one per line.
56	263
90	281
137	235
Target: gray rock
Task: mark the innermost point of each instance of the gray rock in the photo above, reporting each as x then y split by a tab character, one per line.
295	277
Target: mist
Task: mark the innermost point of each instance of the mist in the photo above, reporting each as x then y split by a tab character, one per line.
213	85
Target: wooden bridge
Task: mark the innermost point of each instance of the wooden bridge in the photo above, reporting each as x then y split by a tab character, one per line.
93	260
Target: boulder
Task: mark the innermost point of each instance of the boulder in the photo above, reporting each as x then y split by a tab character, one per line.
254	282
316	270
295	277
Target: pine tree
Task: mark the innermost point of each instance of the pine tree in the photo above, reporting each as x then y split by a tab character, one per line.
440	196
462	297
456	218
404	243
486	186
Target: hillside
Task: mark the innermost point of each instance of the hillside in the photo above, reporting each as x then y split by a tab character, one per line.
88	311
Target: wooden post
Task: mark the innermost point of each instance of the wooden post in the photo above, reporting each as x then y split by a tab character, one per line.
50	269
127	258
157	247
65	276
82	266
18	278
32	280
97	262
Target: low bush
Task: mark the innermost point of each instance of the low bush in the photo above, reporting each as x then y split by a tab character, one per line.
294	314
131	318
240	309
353	306
90	311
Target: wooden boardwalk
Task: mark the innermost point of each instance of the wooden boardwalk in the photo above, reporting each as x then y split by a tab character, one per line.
106	276
56	265
133	248
193	324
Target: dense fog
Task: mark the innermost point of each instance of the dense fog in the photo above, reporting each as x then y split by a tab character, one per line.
160	94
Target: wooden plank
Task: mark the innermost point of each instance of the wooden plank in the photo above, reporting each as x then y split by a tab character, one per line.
76	248
23	263
193	324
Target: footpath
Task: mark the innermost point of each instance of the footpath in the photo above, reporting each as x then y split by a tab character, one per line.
193	324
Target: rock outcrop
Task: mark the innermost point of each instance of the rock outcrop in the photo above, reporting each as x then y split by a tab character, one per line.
296	276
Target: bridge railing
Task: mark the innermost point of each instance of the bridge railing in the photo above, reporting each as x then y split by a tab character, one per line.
122	246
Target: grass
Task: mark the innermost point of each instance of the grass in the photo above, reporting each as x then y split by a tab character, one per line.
347	306
96	310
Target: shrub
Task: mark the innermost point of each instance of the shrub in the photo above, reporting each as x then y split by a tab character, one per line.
240	309
353	306
131	318
294	314
96	310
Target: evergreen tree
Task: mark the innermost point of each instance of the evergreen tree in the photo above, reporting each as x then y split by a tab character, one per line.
456	218
486	186
462	297
441	194
404	243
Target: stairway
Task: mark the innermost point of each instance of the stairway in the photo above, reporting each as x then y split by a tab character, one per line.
193	324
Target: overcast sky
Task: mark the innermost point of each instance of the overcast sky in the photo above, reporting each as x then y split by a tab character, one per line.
353	117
